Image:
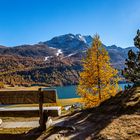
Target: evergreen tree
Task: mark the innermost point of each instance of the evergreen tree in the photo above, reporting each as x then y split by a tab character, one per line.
132	70
98	80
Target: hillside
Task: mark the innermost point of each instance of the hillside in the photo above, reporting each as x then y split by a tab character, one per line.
115	119
68	45
36	50
53	62
27	71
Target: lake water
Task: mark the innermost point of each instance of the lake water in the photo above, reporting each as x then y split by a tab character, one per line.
65	92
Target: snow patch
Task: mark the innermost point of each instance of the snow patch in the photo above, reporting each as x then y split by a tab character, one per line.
81	38
59	52
52	48
71	54
71	36
47	58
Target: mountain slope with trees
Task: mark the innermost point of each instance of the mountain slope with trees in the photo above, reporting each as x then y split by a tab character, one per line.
69	45
25	62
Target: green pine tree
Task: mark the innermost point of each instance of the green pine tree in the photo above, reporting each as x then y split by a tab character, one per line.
132	69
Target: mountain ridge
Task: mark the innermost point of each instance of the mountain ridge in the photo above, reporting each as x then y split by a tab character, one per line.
66	45
53	62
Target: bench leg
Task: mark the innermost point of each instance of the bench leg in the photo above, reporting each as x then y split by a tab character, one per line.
42	121
41	111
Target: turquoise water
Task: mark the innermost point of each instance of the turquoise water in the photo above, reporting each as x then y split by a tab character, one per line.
66	92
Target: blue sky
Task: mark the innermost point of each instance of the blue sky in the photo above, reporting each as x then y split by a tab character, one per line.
31	21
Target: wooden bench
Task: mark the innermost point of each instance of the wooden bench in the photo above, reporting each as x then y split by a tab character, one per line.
29	97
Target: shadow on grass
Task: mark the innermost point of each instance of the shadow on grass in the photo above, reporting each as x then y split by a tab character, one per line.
32	134
90	122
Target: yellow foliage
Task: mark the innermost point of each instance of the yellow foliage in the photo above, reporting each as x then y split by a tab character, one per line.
98	80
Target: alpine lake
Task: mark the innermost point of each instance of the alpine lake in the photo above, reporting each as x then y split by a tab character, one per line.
67	92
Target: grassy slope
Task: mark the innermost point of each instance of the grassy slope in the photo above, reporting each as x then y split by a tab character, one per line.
116	118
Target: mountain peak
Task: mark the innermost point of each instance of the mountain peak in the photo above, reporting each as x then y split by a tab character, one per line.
69	45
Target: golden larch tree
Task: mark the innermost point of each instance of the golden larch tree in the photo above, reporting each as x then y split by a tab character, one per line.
98	80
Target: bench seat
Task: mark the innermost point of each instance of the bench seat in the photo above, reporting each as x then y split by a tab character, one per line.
52	111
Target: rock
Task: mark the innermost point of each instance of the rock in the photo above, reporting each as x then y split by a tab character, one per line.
0	121
49	122
68	107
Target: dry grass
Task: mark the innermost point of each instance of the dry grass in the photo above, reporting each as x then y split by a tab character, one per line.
124	127
7	87
19	119
70	101
14	130
117	118
60	102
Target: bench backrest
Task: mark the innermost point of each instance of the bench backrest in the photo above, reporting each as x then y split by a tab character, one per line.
27	97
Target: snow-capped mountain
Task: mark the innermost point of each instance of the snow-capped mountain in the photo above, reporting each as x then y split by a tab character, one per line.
75	46
53	62
70	43
67	46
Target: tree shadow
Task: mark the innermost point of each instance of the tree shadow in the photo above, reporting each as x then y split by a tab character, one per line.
90	122
32	134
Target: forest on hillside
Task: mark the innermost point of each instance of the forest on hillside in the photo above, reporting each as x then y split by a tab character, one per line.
27	71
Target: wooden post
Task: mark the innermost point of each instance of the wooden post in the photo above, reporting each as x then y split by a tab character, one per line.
42	121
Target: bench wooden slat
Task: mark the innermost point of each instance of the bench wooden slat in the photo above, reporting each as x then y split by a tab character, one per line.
29	111
26	97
